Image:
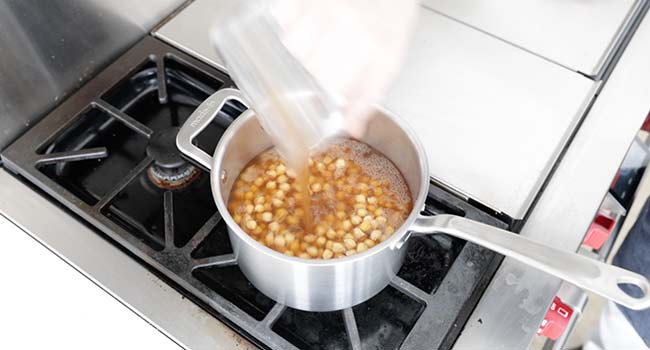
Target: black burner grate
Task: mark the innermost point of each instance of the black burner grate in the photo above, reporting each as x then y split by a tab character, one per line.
106	154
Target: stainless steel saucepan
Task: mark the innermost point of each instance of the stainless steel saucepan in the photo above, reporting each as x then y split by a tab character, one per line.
326	285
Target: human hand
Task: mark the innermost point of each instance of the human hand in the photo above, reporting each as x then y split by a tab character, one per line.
353	48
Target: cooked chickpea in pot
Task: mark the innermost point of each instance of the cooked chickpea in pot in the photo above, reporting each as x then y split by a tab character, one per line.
355	199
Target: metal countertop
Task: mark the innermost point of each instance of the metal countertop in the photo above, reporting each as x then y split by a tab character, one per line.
518	297
575	34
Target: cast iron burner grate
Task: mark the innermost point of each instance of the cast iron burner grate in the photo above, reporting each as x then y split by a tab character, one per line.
108	154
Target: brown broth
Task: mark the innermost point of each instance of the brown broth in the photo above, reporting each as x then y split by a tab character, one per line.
348	199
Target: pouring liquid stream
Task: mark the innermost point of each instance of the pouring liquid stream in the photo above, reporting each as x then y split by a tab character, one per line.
291	106
295	149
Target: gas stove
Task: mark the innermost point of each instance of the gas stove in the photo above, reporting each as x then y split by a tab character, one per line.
108	155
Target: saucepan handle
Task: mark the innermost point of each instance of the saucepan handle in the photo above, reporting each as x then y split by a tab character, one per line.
199	120
589	274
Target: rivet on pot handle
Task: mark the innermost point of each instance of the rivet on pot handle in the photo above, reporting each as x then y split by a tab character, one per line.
199	120
586	273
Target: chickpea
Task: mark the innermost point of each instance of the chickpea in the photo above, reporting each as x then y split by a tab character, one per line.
361	247
350	243
351	206
259	182
251	224
294	246
267	217
312	251
282	179
269	239
365	226
338	248
279	242
358	233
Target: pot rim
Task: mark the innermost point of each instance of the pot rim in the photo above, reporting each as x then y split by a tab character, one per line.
391	243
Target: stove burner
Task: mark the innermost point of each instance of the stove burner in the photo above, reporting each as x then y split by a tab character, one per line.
169	170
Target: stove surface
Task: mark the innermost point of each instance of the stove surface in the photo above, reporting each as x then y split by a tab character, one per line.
108	153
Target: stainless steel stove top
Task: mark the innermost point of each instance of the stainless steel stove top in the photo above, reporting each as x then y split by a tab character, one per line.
150	260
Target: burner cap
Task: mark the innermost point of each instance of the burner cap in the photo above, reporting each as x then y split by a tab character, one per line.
169	170
162	147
